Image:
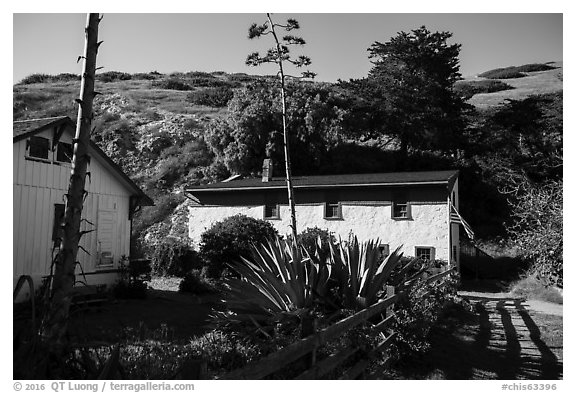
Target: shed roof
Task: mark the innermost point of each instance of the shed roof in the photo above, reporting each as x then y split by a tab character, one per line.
336	181
22	129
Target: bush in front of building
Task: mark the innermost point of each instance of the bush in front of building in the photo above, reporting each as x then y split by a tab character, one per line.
195	282
309	238
172	256
230	239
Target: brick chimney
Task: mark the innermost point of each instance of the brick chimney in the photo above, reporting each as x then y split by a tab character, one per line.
267	170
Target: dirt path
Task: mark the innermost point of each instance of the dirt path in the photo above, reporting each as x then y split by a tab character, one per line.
505	338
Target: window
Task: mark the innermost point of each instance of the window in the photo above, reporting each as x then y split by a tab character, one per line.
38	147
400	209
384	250
271	211
332	210
65	152
57	230
426	253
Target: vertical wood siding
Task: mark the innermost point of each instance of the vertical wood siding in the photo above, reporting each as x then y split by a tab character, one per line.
37	187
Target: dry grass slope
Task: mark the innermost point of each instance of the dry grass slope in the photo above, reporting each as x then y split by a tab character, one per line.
542	82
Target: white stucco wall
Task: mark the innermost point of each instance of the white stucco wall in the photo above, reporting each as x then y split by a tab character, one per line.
428	226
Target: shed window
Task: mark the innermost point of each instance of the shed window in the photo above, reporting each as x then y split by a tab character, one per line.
426	253
332	210
65	152
38	147
271	211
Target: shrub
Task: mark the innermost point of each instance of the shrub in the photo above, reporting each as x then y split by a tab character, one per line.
467	89
503	73
534	67
416	314
130	289
176	162
215	97
146	76
164	205
243	77
211	81
201	74
277	279
46	78
172	84
113	76
196	283
530	287
35	78
308	239
224	351
227	240
173	257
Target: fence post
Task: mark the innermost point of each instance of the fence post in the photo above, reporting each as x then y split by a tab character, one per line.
308	328
390	291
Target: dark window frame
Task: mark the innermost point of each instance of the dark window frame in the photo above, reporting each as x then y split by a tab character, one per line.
431	251
34	143
60	152
384	249
335	209
398	203
276	208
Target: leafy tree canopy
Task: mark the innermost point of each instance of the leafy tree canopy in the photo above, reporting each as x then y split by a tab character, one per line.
252	130
409	94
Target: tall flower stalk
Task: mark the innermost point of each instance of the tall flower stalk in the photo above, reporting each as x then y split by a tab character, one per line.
280	54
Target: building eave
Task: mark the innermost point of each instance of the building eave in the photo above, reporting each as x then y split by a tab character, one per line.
319	186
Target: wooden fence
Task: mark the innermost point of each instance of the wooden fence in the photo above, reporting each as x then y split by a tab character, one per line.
309	346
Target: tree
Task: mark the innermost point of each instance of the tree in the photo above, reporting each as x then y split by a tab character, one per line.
538	231
409	94
55	322
252	128
279	55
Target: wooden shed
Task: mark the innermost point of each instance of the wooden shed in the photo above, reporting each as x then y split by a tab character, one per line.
42	152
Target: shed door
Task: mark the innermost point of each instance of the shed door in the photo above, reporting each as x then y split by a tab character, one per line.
106	225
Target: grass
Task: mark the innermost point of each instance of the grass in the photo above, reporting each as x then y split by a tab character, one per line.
530	288
165	283
535	83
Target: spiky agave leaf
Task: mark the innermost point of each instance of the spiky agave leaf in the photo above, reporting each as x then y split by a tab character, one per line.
360	273
277	278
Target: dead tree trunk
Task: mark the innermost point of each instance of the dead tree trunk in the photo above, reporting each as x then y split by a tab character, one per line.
55	322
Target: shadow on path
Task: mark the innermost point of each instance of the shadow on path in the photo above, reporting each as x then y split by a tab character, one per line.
499	340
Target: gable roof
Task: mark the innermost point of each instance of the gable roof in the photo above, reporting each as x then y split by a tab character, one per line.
336	181
23	129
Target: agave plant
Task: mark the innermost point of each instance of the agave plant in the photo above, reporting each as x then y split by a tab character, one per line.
278	279
361	273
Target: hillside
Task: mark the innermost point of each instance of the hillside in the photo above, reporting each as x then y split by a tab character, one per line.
154	126
539	82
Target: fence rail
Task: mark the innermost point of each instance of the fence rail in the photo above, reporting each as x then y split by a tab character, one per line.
277	360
